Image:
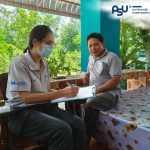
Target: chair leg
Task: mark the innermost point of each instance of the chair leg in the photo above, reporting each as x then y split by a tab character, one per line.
21	143
3	134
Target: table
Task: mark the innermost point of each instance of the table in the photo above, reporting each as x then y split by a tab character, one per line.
127	126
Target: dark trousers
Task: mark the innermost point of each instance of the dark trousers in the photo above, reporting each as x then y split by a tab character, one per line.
89	109
103	101
59	128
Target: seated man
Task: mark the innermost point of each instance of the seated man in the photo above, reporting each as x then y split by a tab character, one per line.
104	71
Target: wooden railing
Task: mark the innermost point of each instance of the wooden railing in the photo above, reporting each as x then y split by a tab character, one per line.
135	79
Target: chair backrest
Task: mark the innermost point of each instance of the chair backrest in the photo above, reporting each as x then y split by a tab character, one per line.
3	85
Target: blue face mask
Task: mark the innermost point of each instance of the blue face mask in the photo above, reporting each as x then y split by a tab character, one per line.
46	51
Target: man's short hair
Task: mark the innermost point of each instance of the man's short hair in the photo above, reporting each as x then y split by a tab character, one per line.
95	35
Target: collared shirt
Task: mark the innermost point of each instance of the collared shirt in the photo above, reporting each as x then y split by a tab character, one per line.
24	75
103	68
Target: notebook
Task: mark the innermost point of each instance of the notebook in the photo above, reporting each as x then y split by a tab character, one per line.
4	109
84	92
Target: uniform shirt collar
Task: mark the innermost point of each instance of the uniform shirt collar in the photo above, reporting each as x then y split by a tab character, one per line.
31	62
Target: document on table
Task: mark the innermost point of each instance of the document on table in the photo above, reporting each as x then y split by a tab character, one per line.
84	92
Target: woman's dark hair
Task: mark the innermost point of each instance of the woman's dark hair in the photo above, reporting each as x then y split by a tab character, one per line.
39	32
95	35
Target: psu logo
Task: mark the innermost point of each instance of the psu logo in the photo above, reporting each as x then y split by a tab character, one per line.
119	11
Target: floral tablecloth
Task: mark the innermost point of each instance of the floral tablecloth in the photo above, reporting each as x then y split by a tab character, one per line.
127	126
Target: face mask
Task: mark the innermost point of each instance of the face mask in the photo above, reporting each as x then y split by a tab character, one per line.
46	51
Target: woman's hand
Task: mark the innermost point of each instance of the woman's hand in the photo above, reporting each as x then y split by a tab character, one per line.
70	91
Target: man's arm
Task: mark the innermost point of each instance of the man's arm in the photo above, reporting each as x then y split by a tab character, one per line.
85	79
109	85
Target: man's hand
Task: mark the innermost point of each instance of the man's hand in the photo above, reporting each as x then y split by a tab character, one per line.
109	85
85	79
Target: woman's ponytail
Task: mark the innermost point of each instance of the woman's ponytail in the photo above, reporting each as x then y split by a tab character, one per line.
25	50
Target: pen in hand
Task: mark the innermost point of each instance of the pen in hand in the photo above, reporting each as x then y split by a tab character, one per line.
69	84
75	88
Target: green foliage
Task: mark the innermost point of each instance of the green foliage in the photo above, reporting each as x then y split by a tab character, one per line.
145	36
15	25
123	84
70	35
130	45
62	62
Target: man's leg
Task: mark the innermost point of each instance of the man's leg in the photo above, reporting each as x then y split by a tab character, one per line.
103	101
45	128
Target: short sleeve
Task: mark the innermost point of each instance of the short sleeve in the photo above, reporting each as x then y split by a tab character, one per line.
88	69
115	66
89	64
19	79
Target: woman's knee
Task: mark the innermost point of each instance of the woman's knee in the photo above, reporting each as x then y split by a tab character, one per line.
61	131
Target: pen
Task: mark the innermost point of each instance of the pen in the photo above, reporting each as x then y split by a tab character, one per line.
69	84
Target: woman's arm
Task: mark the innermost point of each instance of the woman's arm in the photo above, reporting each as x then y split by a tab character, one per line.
34	98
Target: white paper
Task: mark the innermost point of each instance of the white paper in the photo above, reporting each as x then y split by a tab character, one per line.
4	109
84	92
